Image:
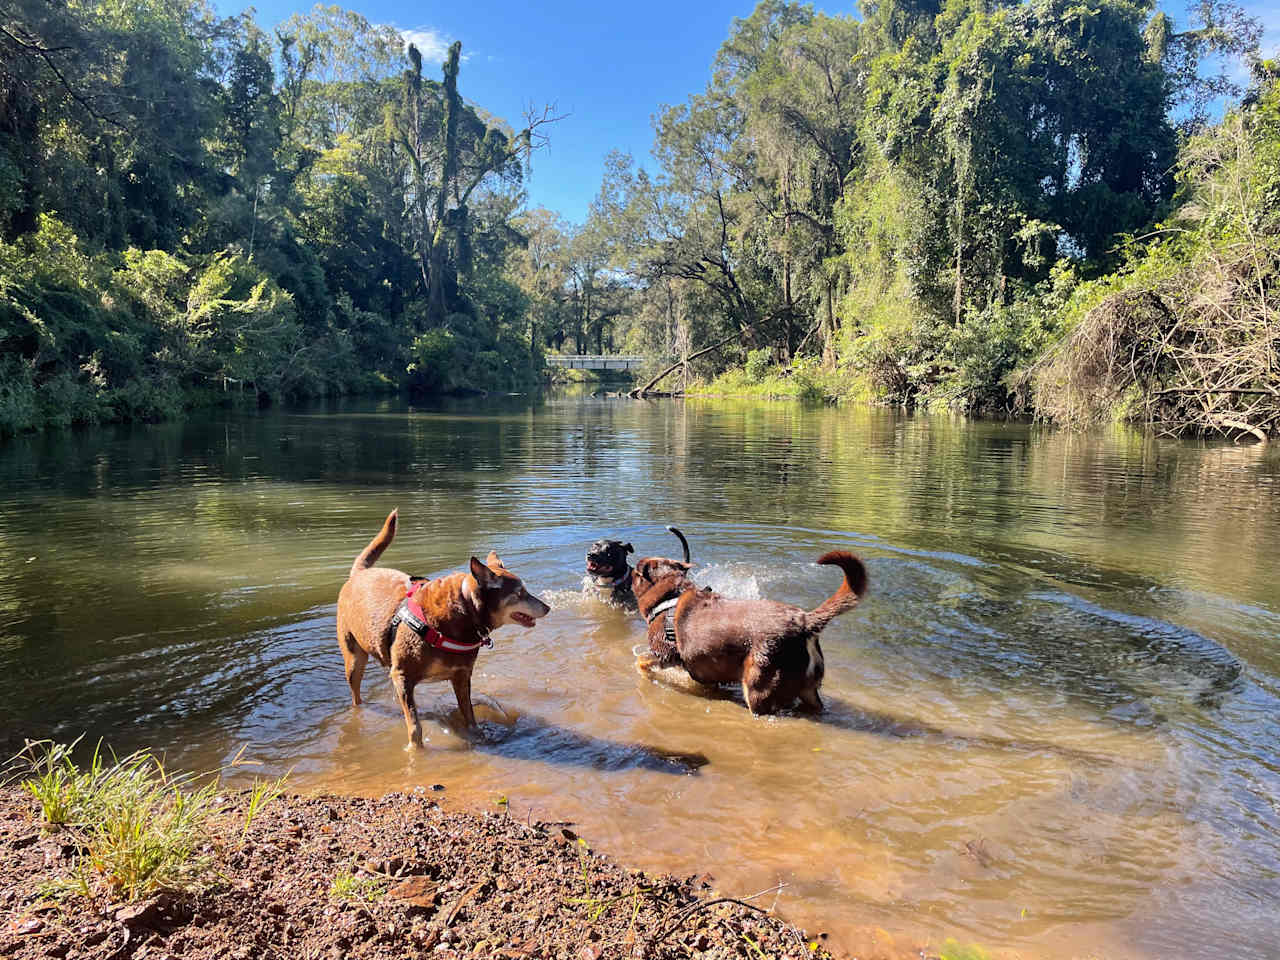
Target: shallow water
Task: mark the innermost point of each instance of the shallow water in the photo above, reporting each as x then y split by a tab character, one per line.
1052	726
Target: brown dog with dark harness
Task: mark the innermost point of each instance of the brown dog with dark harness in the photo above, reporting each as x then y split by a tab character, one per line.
425	629
771	648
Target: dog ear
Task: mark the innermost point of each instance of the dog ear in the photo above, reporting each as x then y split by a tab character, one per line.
493	561
628	548
484	576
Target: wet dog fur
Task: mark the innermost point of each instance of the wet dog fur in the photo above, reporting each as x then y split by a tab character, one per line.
771	649
464	606
610	573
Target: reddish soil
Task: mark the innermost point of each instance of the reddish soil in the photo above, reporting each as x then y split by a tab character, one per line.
447	884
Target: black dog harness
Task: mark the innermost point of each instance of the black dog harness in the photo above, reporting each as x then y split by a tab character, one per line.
411	615
669	624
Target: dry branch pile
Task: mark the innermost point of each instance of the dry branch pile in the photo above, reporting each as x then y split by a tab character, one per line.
1191	343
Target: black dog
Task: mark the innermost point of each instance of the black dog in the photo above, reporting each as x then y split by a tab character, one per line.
611	574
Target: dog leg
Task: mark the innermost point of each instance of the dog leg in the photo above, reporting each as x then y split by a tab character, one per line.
354	657
462	690
404	693
760	687
660	646
751	691
809	697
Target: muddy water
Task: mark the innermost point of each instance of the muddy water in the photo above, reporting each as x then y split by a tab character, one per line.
1052	727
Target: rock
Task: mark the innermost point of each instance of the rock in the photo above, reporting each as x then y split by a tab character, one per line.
147	914
420	892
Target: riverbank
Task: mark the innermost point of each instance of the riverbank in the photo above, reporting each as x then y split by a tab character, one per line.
572	376
332	876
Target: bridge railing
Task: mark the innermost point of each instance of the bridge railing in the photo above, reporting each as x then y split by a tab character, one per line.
574	361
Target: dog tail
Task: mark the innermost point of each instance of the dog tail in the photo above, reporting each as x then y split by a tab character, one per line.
683	542
848	594
370	554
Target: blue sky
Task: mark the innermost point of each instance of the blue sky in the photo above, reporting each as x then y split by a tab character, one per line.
608	65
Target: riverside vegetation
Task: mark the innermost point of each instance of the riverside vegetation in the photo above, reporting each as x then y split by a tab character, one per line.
997	207
1001	207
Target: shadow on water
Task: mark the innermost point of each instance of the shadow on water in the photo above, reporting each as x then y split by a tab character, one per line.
529	737
846	716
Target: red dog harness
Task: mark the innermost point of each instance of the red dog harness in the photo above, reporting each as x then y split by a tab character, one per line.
411	615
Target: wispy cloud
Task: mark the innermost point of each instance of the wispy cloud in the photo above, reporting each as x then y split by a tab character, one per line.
432	43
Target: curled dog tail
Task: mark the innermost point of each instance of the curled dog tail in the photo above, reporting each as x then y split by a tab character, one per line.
849	593
370	554
683	542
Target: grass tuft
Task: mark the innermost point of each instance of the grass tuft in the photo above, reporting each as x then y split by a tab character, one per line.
139	828
261	794
352	888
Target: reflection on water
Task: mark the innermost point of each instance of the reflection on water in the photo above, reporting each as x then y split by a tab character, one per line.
1051	727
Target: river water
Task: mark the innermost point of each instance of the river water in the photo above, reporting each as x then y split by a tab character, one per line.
1052	726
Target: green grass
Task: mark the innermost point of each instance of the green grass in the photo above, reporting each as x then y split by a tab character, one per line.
351	888
139	827
805	381
260	794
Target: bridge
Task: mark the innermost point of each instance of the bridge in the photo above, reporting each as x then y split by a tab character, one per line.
575	361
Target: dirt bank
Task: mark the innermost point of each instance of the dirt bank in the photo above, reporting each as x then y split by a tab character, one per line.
331	877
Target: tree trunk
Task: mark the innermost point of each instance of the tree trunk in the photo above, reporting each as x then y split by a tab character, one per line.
829	331
958	300
448	172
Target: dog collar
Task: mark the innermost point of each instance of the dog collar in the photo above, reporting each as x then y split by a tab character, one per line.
661	608
613	583
411	615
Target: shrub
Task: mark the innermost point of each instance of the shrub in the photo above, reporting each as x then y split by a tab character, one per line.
757	366
430	359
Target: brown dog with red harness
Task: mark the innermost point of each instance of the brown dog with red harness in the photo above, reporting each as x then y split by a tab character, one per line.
771	648
425	629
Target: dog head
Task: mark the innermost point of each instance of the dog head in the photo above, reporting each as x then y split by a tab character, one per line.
608	558
503	594
652	569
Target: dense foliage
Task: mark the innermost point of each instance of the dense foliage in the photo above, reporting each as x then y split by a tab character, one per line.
1007	205
1186	334
917	204
191	206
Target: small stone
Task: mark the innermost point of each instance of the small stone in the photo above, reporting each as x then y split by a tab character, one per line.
416	891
